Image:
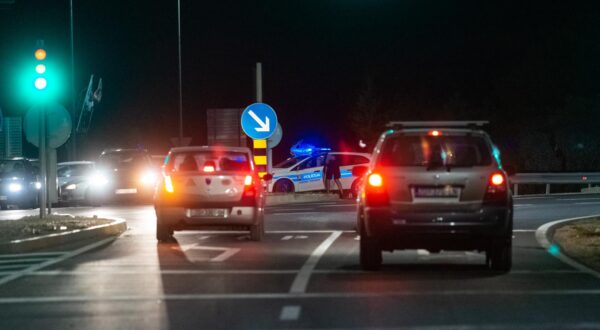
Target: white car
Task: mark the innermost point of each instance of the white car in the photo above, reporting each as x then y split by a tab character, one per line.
209	188
305	173
74	180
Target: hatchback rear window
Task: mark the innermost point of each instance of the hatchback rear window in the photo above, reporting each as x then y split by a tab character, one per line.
447	150
198	160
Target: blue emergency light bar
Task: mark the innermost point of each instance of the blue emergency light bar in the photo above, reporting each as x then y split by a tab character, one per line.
304	149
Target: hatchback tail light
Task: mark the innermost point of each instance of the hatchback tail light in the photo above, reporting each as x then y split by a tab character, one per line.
375	180
249	189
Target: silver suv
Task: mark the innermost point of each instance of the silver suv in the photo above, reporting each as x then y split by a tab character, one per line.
435	186
209	187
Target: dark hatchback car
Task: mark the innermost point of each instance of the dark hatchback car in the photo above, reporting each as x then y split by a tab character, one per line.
19	184
435	186
124	174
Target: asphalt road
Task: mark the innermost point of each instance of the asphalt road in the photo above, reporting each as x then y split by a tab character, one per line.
304	275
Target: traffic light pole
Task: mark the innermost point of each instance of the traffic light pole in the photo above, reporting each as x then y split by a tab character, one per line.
42	158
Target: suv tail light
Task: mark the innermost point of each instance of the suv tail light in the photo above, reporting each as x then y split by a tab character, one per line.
169	184
375	192
496	189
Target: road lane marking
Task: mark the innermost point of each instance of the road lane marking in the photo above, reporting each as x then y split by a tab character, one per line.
287	237
523	230
588	203
301	281
260	272
541	236
61	258
224	255
290	313
280	296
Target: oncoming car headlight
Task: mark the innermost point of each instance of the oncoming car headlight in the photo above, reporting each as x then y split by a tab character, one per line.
15	187
72	186
148	178
98	179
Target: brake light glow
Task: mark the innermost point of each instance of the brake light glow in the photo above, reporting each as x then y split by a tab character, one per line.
497	179
169	184
375	180
209	168
434	133
248	180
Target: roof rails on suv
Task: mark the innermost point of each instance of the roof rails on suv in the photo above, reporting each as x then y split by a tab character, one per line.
472	124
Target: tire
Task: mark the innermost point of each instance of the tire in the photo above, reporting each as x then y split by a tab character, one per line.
284	186
370	251
499	256
257	231
163	232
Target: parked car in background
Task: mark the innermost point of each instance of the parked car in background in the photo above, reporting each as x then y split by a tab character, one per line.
19	183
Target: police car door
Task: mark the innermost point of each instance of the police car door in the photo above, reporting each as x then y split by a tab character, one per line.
310	174
347	162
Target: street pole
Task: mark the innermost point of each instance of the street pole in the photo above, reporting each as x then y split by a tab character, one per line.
73	145
180	84
259	99
42	158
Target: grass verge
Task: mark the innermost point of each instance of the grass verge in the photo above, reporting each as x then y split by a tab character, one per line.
580	240
33	226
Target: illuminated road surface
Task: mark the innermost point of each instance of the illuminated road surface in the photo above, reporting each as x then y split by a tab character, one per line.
304	275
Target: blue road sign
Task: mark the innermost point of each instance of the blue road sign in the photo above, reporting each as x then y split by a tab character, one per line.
259	121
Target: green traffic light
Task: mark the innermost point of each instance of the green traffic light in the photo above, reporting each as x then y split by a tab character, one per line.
40	83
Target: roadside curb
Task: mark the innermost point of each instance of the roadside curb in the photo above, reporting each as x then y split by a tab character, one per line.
116	228
544	236
292	198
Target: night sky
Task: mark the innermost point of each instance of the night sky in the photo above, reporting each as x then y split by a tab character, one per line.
522	66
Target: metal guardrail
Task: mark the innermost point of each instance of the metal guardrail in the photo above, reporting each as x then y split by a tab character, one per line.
548	179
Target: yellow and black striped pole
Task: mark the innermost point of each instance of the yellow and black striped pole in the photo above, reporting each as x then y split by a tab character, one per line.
260	156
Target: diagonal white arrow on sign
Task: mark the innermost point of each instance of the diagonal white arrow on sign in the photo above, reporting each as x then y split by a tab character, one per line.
264	125
226	254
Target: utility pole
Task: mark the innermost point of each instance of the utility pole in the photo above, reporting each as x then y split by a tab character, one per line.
73	144
180	84
259	99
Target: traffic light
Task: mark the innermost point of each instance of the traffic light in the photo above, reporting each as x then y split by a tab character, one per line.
40	81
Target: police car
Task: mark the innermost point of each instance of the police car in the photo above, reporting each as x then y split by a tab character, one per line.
304	170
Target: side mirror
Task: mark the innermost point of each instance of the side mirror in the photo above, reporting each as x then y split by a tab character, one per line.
268	177
359	171
510	170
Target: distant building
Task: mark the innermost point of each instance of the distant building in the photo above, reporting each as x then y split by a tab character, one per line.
11	137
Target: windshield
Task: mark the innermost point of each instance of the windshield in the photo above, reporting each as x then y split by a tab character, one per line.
289	162
123	159
11	167
423	150
217	161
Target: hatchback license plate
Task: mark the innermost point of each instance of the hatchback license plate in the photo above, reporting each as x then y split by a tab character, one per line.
126	191
207	213
433	192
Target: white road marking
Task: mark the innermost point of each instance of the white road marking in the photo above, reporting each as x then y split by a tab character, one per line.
226	254
521	205
422	252
316	295
300	237
61	258
579	199
301	281
523	230
357	238
203	237
287	237
588	203
290	313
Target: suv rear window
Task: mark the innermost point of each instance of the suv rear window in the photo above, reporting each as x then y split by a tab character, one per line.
196	160
447	150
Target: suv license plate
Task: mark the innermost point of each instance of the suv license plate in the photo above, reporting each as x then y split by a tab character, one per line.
443	192
207	213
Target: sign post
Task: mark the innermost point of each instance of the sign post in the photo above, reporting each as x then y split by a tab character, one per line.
259	122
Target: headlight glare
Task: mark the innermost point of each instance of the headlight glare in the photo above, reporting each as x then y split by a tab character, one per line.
15	187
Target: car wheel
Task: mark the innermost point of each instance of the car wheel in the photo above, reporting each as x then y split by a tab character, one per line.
370	251
284	186
499	256
257	231
164	233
